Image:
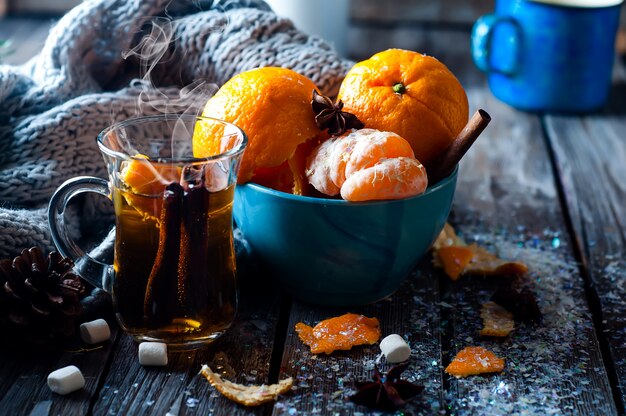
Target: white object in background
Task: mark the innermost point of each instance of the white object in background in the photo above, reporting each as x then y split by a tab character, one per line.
153	353
95	332
395	348
66	380
327	19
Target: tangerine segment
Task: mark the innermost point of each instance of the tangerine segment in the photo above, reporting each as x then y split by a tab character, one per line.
272	106
340	156
454	260
318	168
473	361
372	146
395	178
339	333
410	94
146	179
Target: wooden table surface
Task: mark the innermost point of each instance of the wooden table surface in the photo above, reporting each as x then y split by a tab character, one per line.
548	190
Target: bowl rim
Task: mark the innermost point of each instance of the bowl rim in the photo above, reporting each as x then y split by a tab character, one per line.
327	201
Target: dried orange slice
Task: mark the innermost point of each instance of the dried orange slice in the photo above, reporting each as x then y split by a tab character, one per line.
246	395
339	333
472	361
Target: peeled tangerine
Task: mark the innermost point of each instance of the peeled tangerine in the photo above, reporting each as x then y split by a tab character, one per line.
365	165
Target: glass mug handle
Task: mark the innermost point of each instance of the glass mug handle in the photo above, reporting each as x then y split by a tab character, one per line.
93	271
482	39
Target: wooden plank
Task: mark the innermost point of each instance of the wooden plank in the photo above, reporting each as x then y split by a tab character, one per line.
421	12
446	11
450	47
590	153
23	378
242	355
324	382
507	201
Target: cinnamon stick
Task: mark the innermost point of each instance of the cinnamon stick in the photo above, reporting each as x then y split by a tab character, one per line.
160	297
194	243
443	166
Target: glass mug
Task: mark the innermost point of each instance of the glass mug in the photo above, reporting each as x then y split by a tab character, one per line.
173	275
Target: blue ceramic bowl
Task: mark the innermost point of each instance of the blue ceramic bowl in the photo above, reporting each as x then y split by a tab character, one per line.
339	253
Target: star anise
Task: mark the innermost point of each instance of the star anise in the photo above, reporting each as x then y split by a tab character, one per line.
386	392
522	303
329	115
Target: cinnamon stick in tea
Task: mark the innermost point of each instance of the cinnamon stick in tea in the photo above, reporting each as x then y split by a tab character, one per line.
443	166
160	297
194	242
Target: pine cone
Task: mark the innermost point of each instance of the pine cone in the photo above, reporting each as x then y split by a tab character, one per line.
39	298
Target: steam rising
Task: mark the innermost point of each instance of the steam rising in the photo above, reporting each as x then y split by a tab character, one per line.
153	51
150	52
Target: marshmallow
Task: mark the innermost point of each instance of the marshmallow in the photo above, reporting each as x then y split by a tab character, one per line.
95	332
66	380
395	348
152	353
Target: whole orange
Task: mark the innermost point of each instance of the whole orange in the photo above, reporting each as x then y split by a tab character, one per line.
272	106
410	94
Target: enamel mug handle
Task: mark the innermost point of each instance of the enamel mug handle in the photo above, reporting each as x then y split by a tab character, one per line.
93	271
482	45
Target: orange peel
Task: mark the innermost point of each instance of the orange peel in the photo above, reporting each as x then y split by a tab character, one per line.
145	181
497	321
339	333
472	361
456	257
246	395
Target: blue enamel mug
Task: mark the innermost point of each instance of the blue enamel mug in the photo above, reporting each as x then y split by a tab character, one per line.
548	55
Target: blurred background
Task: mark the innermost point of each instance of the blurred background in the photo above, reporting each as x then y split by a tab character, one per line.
358	28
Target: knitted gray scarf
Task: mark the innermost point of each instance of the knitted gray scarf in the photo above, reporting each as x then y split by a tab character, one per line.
53	107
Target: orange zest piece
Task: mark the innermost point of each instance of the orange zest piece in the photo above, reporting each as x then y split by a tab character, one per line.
254	395
455	260
488	264
472	361
497	321
146	179
339	333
